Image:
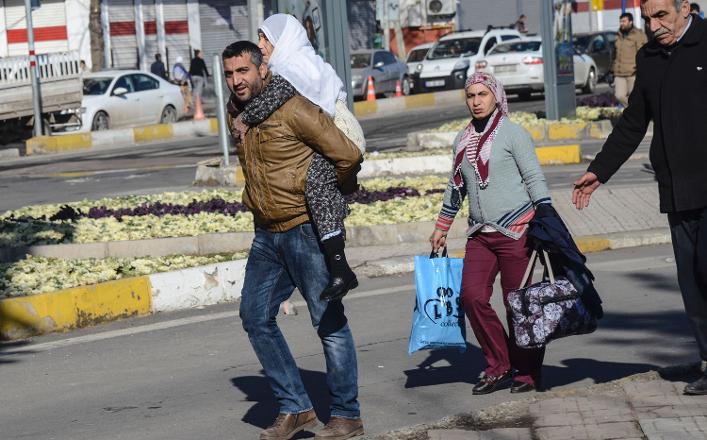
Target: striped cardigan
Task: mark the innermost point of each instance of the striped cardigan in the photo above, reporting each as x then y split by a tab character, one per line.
516	184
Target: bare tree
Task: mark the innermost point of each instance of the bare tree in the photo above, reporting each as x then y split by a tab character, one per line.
96	32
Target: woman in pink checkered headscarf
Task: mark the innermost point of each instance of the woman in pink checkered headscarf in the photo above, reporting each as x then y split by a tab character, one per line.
496	167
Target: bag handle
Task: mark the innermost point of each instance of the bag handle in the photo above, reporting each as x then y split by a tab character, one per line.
434	254
531	264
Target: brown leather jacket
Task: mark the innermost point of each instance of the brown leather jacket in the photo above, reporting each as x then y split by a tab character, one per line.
276	154
626	50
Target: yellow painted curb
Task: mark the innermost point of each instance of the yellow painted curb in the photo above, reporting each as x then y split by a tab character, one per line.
417	101
596	131
562	130
152	132
25	316
537	132
592	244
214	125
364	108
239	178
54	144
559	154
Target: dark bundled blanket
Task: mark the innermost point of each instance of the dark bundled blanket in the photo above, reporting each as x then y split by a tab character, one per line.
547	230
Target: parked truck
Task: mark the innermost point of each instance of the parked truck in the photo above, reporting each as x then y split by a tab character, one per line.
61	90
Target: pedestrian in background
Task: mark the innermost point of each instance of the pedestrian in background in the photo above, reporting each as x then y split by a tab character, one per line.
695	10
157	68
629	41
496	166
671	90
180	77
199	75
519	25
285	253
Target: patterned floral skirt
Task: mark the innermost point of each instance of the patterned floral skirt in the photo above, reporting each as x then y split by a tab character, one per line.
327	206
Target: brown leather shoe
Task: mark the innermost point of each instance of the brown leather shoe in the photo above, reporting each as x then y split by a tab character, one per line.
340	428
286	426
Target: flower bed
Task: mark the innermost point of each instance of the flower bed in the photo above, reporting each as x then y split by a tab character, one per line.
35	275
529	120
383	201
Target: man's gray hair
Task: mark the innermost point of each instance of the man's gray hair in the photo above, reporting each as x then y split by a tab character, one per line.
678	3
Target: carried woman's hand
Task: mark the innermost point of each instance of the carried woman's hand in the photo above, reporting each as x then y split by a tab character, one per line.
438	239
240	127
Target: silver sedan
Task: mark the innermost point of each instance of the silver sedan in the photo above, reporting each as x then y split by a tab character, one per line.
382	68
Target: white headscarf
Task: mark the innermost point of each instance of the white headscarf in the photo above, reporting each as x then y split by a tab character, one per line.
294	59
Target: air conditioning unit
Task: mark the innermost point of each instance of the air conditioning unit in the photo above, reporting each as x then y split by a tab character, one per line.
441	7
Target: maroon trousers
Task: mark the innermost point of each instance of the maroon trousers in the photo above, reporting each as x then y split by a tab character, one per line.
486	255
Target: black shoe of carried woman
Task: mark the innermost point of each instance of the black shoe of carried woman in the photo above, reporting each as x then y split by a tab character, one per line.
339	286
489	384
521	387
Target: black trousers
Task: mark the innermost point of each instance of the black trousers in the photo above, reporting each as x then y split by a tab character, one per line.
689	234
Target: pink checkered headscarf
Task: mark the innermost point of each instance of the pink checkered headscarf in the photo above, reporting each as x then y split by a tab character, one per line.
494	85
476	147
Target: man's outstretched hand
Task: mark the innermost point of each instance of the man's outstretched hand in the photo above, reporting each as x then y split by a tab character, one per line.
583	189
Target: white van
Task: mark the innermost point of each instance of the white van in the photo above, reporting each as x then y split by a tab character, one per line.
453	58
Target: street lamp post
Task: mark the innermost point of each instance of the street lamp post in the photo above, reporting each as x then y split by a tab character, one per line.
33	72
221	108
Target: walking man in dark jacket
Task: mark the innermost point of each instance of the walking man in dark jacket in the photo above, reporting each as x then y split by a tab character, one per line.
670	90
198	74
157	68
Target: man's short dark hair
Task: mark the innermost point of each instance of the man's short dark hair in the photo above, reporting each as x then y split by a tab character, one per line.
158	56
242	47
694	7
627	15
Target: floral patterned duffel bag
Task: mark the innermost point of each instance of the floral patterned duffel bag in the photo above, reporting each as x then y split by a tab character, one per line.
547	310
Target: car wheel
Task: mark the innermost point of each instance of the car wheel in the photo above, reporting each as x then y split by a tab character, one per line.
169	115
407	90
101	121
591	83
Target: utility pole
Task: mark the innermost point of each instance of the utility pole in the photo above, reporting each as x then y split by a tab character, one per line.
558	52
386	25
34	72
223	138
255	17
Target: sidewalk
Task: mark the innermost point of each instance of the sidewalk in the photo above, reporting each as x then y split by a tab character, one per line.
646	406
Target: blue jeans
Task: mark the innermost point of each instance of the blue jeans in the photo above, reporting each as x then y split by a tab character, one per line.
278	262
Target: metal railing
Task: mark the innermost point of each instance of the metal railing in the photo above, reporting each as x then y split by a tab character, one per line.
15	71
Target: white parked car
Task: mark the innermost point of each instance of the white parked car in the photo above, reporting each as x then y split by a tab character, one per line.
128	98
519	66
452	58
416	55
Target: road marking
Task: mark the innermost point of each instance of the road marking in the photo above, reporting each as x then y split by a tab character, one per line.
45	346
102	172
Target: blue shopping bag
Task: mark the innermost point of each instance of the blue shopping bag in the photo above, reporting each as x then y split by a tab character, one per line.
438	317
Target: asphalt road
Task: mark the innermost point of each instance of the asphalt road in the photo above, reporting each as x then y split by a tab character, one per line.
193	375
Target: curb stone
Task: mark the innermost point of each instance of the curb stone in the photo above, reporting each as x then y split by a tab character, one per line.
123	136
210	172
543	131
26	316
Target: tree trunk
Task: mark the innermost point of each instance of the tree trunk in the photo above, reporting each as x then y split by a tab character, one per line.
96	32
